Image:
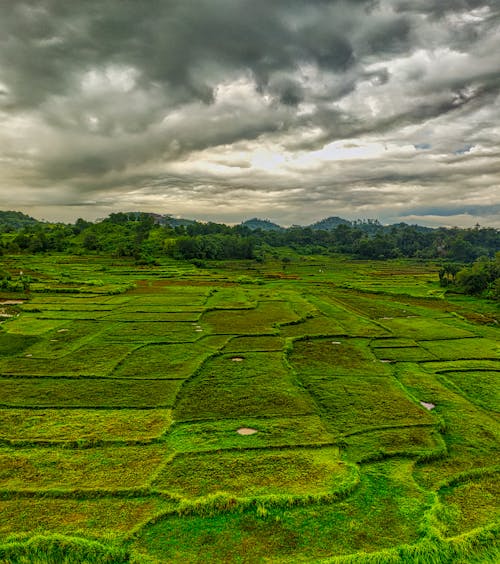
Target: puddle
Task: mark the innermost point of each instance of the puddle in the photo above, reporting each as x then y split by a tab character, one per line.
62	330
336	343
386	361
11	302
246	431
427	405
237	359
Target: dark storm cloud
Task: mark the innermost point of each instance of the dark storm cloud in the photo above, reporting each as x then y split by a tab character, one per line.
212	99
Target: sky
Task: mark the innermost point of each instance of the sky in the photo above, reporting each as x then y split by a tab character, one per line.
223	110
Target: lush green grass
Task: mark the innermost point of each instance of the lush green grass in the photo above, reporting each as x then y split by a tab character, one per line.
93	359
471	434
271	432
251	473
316	326
353	390
417	442
233	297
463	349
14	343
257	343
402	354
352	323
104	517
261	319
259	385
49	549
123	390
81	392
82	425
424	329
470	505
177	361
53	467
155	332
482	387
381	513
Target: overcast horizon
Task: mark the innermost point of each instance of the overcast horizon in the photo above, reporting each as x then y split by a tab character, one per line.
224	110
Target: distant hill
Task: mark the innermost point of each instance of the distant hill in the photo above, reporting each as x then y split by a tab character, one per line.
175	221
264	224
13	220
329	223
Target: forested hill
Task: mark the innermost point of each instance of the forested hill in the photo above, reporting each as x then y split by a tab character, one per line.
146	236
14	220
264	224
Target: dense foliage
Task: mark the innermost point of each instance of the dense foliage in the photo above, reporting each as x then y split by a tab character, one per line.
147	237
483	276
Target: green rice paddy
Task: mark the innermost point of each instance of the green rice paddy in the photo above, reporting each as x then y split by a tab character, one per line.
339	411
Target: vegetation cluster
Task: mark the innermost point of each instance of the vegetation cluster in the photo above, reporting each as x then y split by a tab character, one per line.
148	237
320	408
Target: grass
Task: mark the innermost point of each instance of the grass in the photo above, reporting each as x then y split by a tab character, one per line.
82	424
381	513
122	390
214	435
403	354
333	358
13	343
482	387
254	473
177	361
261	319
351	323
406	442
463	349
45	549
257	343
424	329
471	433
316	326
153	332
260	384
93	359
101	518
51	467
81	392
470	505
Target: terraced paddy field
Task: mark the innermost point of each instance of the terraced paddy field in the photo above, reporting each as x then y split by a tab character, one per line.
336	411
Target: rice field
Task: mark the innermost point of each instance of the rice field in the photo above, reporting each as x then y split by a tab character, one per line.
341	411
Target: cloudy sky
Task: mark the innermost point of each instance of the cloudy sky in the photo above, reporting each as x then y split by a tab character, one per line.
291	110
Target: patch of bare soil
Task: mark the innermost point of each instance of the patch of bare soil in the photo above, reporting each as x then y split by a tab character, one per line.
246	431
428	405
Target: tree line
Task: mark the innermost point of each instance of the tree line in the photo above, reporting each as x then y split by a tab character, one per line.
146	239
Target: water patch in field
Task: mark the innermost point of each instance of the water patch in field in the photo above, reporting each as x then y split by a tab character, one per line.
246	431
237	359
336	343
428	405
11	302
